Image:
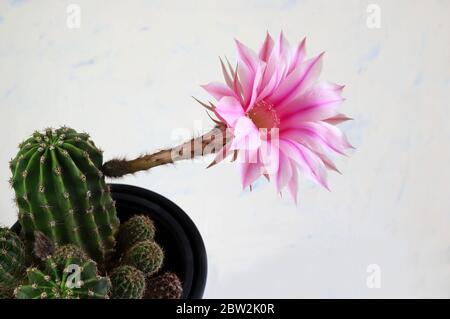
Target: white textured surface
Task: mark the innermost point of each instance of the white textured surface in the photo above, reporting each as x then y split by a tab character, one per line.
126	76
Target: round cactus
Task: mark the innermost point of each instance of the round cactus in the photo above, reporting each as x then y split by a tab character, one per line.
73	252
73	281
12	259
165	286
60	191
146	256
127	283
138	228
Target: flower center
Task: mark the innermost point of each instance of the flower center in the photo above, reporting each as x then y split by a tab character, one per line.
264	115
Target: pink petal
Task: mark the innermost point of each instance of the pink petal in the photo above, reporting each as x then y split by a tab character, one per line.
269	153
247	56
269	85
316	148
230	110
319	103
319	134
218	90
256	84
246	135
276	67
298	81
247	67
250	171
284	172
266	48
298	56
293	183
308	162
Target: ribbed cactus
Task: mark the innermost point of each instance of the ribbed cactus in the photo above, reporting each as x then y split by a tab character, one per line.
138	228
60	191
74	280
12	260
165	286
146	256
127	283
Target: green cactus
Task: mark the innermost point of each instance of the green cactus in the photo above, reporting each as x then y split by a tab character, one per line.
60	191
165	286
127	283
146	256
64	252
138	228
12	260
71	280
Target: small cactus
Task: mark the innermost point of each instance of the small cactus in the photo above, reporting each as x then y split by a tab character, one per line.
12	260
146	256
127	283
165	286
64	252
138	228
72	281
61	192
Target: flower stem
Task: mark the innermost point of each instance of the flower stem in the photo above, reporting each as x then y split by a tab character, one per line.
209	143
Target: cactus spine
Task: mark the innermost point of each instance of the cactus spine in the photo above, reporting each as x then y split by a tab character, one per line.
138	228
165	286
60	191
12	260
59	281
127	283
146	256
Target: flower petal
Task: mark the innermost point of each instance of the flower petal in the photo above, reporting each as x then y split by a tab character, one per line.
246	135
250	170
276	67
247	67
269	152
229	109
218	90
293	183
319	103
298	81
266	49
308	162
320	134
298	56
284	172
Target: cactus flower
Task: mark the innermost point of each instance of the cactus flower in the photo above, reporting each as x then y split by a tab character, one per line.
281	117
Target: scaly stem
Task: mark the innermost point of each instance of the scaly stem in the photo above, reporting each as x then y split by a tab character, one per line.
208	143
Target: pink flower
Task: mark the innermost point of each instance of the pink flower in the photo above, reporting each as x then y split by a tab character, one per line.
282	119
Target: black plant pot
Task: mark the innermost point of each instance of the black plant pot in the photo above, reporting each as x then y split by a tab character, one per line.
184	249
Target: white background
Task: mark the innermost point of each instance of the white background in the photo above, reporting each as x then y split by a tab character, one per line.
126	77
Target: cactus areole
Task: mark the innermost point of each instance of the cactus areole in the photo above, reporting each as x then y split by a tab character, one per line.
60	191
